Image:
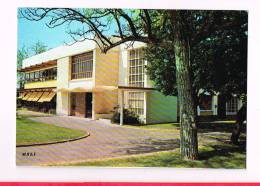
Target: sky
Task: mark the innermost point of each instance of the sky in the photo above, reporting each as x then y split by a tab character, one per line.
29	32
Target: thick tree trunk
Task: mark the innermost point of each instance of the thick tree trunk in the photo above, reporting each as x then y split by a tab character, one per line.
241	117
188	127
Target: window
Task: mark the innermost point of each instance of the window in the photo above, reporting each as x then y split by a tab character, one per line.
27	77
136	102
232	105
82	66
42	75
32	76
136	68
36	76
54	73
45	75
205	102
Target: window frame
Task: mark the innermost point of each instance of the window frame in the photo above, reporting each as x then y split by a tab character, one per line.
138	101
82	66
136	67
41	75
232	102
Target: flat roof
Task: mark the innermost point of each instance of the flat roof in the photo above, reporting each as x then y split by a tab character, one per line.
59	52
70	50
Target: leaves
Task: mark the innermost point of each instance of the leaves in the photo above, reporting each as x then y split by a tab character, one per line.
218	58
217	41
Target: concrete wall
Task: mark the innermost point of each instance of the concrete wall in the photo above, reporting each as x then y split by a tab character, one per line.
106	74
107	67
84	83
63	75
104	102
160	108
63	104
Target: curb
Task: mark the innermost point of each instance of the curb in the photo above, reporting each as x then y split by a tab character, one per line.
55	142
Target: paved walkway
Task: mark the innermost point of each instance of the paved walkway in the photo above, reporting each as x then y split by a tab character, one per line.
105	141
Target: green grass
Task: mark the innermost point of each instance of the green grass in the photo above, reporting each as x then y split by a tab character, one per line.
229	157
158	126
31	132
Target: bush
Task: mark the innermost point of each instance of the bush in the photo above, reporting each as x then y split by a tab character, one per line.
129	117
18	103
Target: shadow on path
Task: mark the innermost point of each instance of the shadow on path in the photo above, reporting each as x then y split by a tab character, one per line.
151	145
217	127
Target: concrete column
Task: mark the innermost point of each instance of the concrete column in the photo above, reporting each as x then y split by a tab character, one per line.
121	107
63	76
93	106
215	105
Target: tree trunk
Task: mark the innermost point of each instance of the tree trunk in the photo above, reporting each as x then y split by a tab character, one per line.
241	117
188	127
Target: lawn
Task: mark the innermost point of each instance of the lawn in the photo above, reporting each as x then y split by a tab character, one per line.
157	126
227	157
215	151
161	126
223	125
31	132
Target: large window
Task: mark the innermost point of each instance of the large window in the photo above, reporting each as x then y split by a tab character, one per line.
232	106
136	68
41	75
82	66
136	102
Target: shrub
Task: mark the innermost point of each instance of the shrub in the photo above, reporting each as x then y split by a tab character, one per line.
129	117
18	103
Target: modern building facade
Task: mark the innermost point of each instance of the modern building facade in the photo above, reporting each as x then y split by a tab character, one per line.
79	80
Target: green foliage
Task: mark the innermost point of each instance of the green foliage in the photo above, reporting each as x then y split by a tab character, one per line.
22	54
219	62
30	132
25	52
129	117
161	69
218	55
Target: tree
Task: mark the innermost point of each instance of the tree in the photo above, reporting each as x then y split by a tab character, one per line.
112	27
38	47
22	54
219	61
25	52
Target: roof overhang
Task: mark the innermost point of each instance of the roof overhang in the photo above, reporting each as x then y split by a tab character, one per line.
130	88
39	66
105	89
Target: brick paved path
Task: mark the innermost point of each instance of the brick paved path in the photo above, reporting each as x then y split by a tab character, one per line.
105	141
